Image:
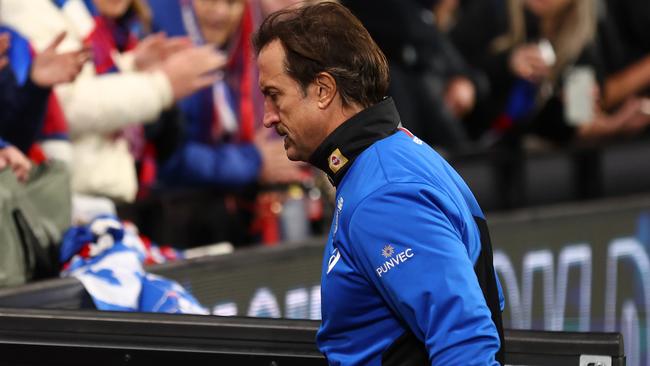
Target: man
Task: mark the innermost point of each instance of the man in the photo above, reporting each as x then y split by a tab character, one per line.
407	276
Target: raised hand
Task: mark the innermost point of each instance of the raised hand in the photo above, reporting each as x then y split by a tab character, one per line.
153	50
629	119
192	69
460	96
50	68
527	62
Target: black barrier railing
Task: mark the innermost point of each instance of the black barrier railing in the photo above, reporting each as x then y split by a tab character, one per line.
527	347
64	337
60	293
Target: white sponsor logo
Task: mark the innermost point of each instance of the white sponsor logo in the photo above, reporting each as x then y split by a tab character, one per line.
393	261
388	251
336	255
339	207
334	258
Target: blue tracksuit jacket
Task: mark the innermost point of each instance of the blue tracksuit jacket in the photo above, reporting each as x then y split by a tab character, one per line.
408	257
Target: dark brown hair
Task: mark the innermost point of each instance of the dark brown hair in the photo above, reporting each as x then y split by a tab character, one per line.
326	37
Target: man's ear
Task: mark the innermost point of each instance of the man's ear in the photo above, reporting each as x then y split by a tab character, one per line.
326	89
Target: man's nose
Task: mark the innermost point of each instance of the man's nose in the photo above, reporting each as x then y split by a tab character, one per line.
270	118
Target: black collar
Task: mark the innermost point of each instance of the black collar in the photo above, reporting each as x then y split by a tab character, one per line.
337	152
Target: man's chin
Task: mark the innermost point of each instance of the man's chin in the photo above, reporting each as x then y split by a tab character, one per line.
294	156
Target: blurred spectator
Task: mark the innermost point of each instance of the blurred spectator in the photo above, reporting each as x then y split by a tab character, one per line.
224	145
430	82
25	82
224	150
445	13
28	116
624	39
22	107
126	84
533	60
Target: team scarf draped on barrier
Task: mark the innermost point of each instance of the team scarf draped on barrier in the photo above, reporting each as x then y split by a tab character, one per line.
108	257
230	109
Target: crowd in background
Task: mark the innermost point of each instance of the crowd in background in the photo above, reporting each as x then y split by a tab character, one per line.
499	72
140	98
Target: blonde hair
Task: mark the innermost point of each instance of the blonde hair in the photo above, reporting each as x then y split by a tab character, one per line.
576	27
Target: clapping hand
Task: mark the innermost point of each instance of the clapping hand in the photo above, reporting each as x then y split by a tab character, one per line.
50	68
153	50
192	69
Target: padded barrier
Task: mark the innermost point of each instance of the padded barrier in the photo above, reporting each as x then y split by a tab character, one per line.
65	337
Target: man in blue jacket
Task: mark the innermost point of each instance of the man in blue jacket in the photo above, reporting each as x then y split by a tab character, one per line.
407	276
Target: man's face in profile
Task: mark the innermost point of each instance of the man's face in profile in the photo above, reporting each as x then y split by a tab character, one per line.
293	113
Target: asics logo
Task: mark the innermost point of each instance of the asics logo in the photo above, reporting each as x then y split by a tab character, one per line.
334	258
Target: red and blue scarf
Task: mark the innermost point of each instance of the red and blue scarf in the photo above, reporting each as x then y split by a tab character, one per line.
108	36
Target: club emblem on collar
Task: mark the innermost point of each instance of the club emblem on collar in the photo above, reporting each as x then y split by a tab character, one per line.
336	160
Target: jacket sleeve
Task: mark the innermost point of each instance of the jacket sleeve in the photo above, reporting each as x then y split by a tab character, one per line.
408	242
8	91
110	102
224	165
22	110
